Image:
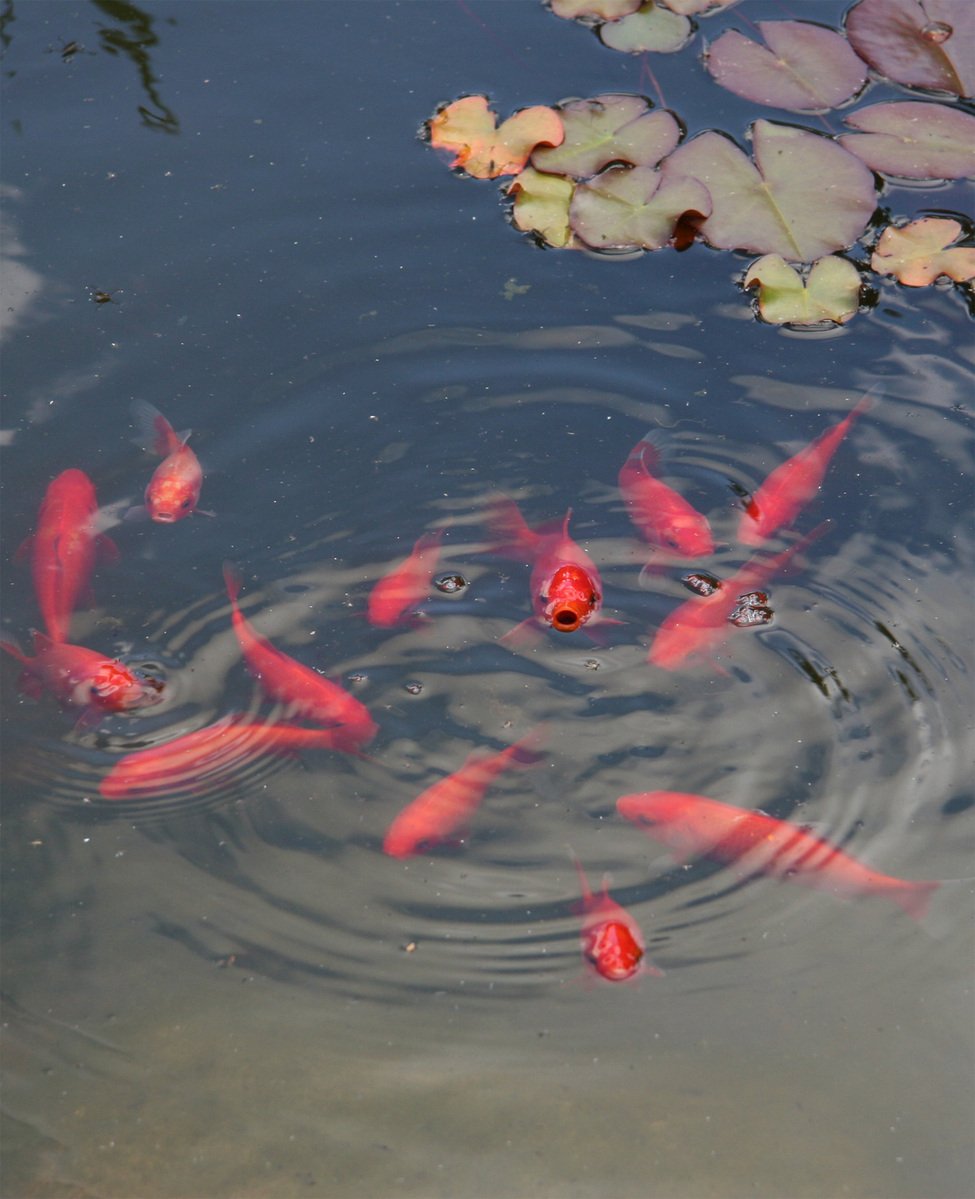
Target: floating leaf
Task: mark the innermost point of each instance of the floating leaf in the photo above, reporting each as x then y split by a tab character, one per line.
830	292
914	140
806	67
593	10
916	254
467	128
929	44
652	27
693	8
542	205
804	195
606	129
629	207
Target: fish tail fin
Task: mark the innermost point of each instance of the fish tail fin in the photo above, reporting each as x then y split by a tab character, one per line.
508	526
528	751
232	580
647	450
108	551
583	881
15	652
155	433
915	899
42	641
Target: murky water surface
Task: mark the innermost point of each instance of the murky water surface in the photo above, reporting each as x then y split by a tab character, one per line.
228	989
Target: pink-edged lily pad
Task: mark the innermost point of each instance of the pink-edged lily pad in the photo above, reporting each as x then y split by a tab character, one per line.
607	129
653	27
627	208
468	129
541	205
805	67
919	253
914	140
803	196
695	8
830	291
919	43
592	11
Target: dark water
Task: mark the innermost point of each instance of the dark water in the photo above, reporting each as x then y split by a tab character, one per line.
235	993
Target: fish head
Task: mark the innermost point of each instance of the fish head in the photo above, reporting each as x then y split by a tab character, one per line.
115	688
612	950
170	500
688	534
571	597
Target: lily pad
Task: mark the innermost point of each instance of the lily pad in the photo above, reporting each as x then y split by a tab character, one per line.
919	253
802	197
592	11
542	205
693	8
830	291
630	207
607	129
929	44
914	140
652	27
805	67
467	128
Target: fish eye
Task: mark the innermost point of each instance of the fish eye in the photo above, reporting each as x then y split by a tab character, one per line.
185	504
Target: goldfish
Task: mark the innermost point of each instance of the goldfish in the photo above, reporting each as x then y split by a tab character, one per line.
397	593
217	749
82	678
612	943
790	487
566	589
699	625
661	515
309	694
693	825
63	548
447	806
174	489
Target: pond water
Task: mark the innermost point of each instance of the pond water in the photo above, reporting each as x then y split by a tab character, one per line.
229	989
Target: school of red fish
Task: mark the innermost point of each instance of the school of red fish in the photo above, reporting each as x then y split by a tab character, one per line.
566	595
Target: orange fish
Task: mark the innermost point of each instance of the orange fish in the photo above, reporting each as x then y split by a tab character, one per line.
700	625
790	487
218	749
63	548
82	678
395	595
661	515
693	825
309	694
174	488
612	943
566	589
447	806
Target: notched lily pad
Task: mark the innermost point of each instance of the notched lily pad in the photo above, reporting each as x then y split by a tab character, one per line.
608	129
467	128
541	205
929	44
830	291
653	27
918	253
805	67
635	207
914	140
803	196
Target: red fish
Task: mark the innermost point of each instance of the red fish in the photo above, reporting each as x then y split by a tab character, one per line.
661	515
174	488
566	589
699	625
397	593
693	825
82	678
63	548
207	754
612	943
447	806
790	487
309	694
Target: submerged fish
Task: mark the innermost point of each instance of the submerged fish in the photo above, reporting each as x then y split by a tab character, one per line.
396	594
174	489
612	943
661	515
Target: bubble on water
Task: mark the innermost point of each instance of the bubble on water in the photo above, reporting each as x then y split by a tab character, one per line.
450	584
753	599
701	583
750	615
937	32
413	688
358	676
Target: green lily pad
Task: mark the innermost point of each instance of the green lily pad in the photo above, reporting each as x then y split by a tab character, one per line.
634	207
914	140
652	27
929	44
830	291
606	129
920	252
542	205
806	67
802	197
